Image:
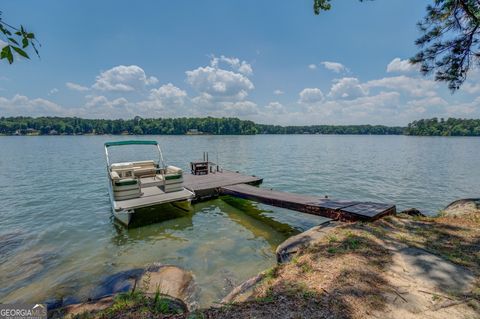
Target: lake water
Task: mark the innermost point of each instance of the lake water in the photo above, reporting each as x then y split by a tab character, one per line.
59	240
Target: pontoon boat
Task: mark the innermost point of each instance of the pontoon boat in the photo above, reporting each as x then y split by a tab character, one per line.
140	184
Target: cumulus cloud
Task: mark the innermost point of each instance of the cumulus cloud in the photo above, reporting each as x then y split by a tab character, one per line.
278	92
235	63
21	105
275	107
412	86
312	66
169	95
334	66
470	109
311	96
347	88
404	66
123	78
76	87
218	84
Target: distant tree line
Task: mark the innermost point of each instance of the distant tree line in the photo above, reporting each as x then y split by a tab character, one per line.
331	129
221	126
442	127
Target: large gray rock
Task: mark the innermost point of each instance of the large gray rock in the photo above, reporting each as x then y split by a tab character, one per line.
292	245
462	207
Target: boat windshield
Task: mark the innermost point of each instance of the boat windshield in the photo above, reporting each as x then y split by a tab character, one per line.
132	151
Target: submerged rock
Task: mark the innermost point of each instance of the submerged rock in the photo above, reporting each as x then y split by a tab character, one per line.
118	282
243	291
173	284
169	280
293	244
462	207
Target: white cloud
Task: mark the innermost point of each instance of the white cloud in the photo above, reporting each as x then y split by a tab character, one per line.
347	88
311	96
278	92
99	106
123	78
470	109
218	84
471	88
241	108
334	66
404	66
100	101
275	107
168	95
53	91
235	63
20	105
412	86
312	66
76	87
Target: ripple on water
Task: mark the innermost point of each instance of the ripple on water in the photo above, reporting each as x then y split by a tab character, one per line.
58	239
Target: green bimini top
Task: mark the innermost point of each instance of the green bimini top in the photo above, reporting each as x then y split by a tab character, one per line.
131	142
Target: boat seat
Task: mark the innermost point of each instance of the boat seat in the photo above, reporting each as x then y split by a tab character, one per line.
126	188
149	181
144	168
173	179
114	176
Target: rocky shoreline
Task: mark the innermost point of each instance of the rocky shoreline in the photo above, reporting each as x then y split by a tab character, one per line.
407	258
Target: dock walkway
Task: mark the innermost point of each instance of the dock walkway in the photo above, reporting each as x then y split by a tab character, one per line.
239	185
334	209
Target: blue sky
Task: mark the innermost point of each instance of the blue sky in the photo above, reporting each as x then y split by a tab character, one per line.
269	61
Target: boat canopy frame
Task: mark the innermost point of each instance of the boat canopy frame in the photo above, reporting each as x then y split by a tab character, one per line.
133	142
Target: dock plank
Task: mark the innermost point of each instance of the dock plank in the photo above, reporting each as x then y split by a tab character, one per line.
335	209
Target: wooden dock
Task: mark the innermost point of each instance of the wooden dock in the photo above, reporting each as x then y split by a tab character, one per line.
239	185
208	186
334	209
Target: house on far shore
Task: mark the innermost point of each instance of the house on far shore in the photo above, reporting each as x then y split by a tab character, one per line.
194	131
53	132
31	131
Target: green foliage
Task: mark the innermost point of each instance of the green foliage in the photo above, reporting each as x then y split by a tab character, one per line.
450	41
73	125
17	40
330	129
449	127
222	126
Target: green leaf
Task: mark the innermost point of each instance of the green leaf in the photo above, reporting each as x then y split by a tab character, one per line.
21	52
25	43
30	35
6	53
13	40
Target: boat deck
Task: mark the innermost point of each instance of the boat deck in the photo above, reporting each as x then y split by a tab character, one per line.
207	186
152	196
